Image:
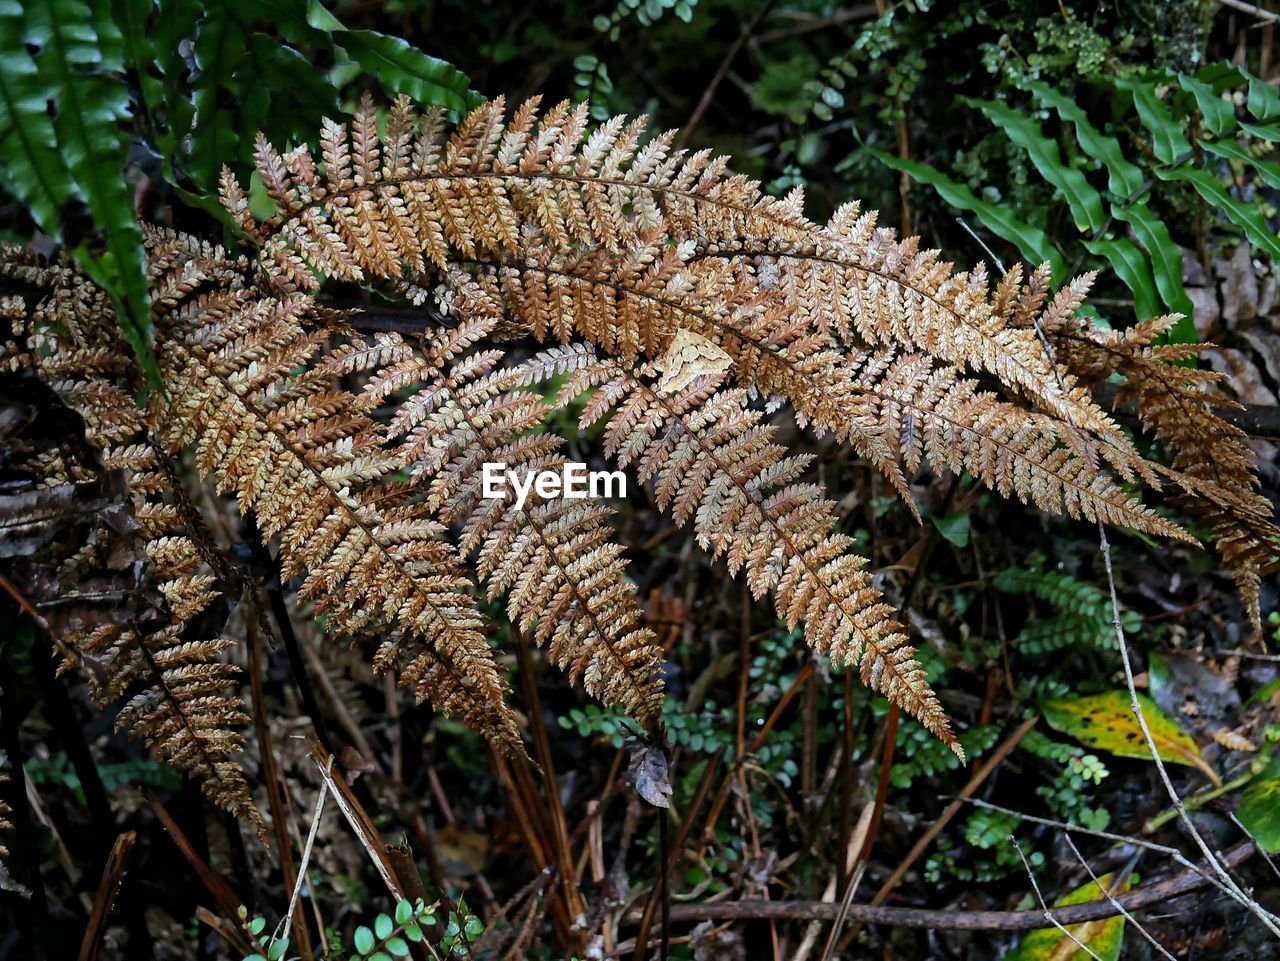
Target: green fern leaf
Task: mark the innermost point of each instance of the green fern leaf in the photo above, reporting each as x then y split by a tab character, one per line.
79	61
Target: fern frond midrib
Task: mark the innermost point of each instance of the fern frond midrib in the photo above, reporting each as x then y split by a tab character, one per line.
581	179
731	253
709	318
445	659
530	514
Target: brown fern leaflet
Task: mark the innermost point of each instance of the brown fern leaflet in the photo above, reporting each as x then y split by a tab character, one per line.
1214	470
712	461
304	455
179	692
556	560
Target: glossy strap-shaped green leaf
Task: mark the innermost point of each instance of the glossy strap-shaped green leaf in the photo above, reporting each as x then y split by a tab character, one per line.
1246	216
1083	200
1166	259
1032	242
35	172
1124	178
79	63
1264	101
1132	267
1125	257
1269	133
399	66
1168	141
1218	115
403	68
1268	172
215	137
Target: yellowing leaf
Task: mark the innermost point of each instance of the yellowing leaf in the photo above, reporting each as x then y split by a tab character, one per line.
1106	721
1103	938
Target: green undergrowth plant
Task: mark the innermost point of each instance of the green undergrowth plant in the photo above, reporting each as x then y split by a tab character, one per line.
387	937
199	81
988	854
1073	774
1126	156
1082	614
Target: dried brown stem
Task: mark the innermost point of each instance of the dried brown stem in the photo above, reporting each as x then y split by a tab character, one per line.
112	874
1147	895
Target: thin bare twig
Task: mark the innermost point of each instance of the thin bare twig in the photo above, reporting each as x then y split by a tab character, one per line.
1048	915
845	904
1154	893
1164	849
1109	894
1232	888
108	887
306	859
1266	16
730	55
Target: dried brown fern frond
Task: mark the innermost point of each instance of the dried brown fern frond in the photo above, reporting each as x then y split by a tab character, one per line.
929	413
1214	471
129	604
579	229
390	206
256	388
896	411
713	462
578	233
556	560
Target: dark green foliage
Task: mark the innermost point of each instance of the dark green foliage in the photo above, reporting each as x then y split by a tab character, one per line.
1082	612
63	148
196	81
1192	135
389	936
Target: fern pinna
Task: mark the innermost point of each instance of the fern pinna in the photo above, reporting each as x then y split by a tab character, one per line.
685	305
180	695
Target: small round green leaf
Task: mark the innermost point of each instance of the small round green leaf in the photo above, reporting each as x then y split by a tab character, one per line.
364	940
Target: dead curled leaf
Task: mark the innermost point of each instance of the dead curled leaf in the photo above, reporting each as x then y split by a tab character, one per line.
1233	741
649	774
